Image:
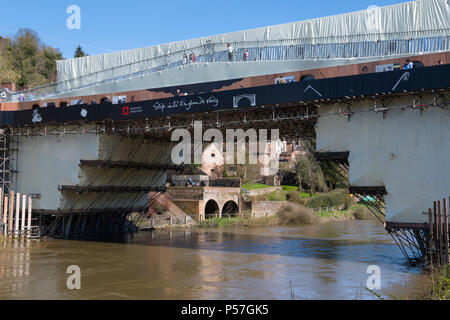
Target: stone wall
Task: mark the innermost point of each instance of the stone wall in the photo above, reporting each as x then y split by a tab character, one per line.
194	208
185	193
261	209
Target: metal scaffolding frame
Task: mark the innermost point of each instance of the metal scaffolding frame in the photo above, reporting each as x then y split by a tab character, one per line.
5	182
412	241
293	120
9	157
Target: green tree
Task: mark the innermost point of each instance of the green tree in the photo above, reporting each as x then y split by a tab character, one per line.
32	62
6	73
22	55
49	57
309	174
79	53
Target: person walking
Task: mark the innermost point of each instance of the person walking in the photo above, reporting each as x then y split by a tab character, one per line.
245	54
230	52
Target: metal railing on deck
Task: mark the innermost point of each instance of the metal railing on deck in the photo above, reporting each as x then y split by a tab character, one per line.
333	47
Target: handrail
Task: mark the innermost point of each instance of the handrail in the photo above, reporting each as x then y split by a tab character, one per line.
370	45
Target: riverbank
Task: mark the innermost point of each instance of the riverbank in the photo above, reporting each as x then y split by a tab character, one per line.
436	284
292	215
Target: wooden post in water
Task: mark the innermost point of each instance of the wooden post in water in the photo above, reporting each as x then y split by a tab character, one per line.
5	215
436	233
24	206
446	210
17	223
29	216
11	212
431	241
441	253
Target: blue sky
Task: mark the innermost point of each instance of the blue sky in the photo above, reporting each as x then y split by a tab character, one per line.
108	26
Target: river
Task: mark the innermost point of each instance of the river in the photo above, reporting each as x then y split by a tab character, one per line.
327	261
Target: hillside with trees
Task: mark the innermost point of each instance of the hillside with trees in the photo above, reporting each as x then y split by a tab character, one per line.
25	60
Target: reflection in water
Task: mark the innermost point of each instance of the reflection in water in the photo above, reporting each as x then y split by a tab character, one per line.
15	263
323	262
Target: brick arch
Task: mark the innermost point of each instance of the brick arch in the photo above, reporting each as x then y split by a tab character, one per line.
212	209
230	208
221	196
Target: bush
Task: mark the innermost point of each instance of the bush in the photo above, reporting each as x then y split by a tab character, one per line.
277	196
348	202
436	285
296	197
295	214
361	213
335	198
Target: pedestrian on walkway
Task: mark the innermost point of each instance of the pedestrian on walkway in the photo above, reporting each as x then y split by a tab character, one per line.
230	52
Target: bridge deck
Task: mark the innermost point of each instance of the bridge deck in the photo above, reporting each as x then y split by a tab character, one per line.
323	91
128	165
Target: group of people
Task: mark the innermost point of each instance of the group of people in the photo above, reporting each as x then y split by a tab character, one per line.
281	80
231	53
408	65
192	58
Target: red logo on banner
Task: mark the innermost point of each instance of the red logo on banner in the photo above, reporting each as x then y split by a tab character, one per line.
126	111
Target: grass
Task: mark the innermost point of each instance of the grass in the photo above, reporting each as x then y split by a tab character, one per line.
237	222
282	195
254	186
278	195
341	215
295	189
220	223
356	211
290	188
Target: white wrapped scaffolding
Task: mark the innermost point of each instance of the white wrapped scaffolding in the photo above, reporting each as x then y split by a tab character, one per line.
412	27
407	151
402	30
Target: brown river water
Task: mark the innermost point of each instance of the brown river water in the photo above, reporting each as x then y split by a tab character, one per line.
327	261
